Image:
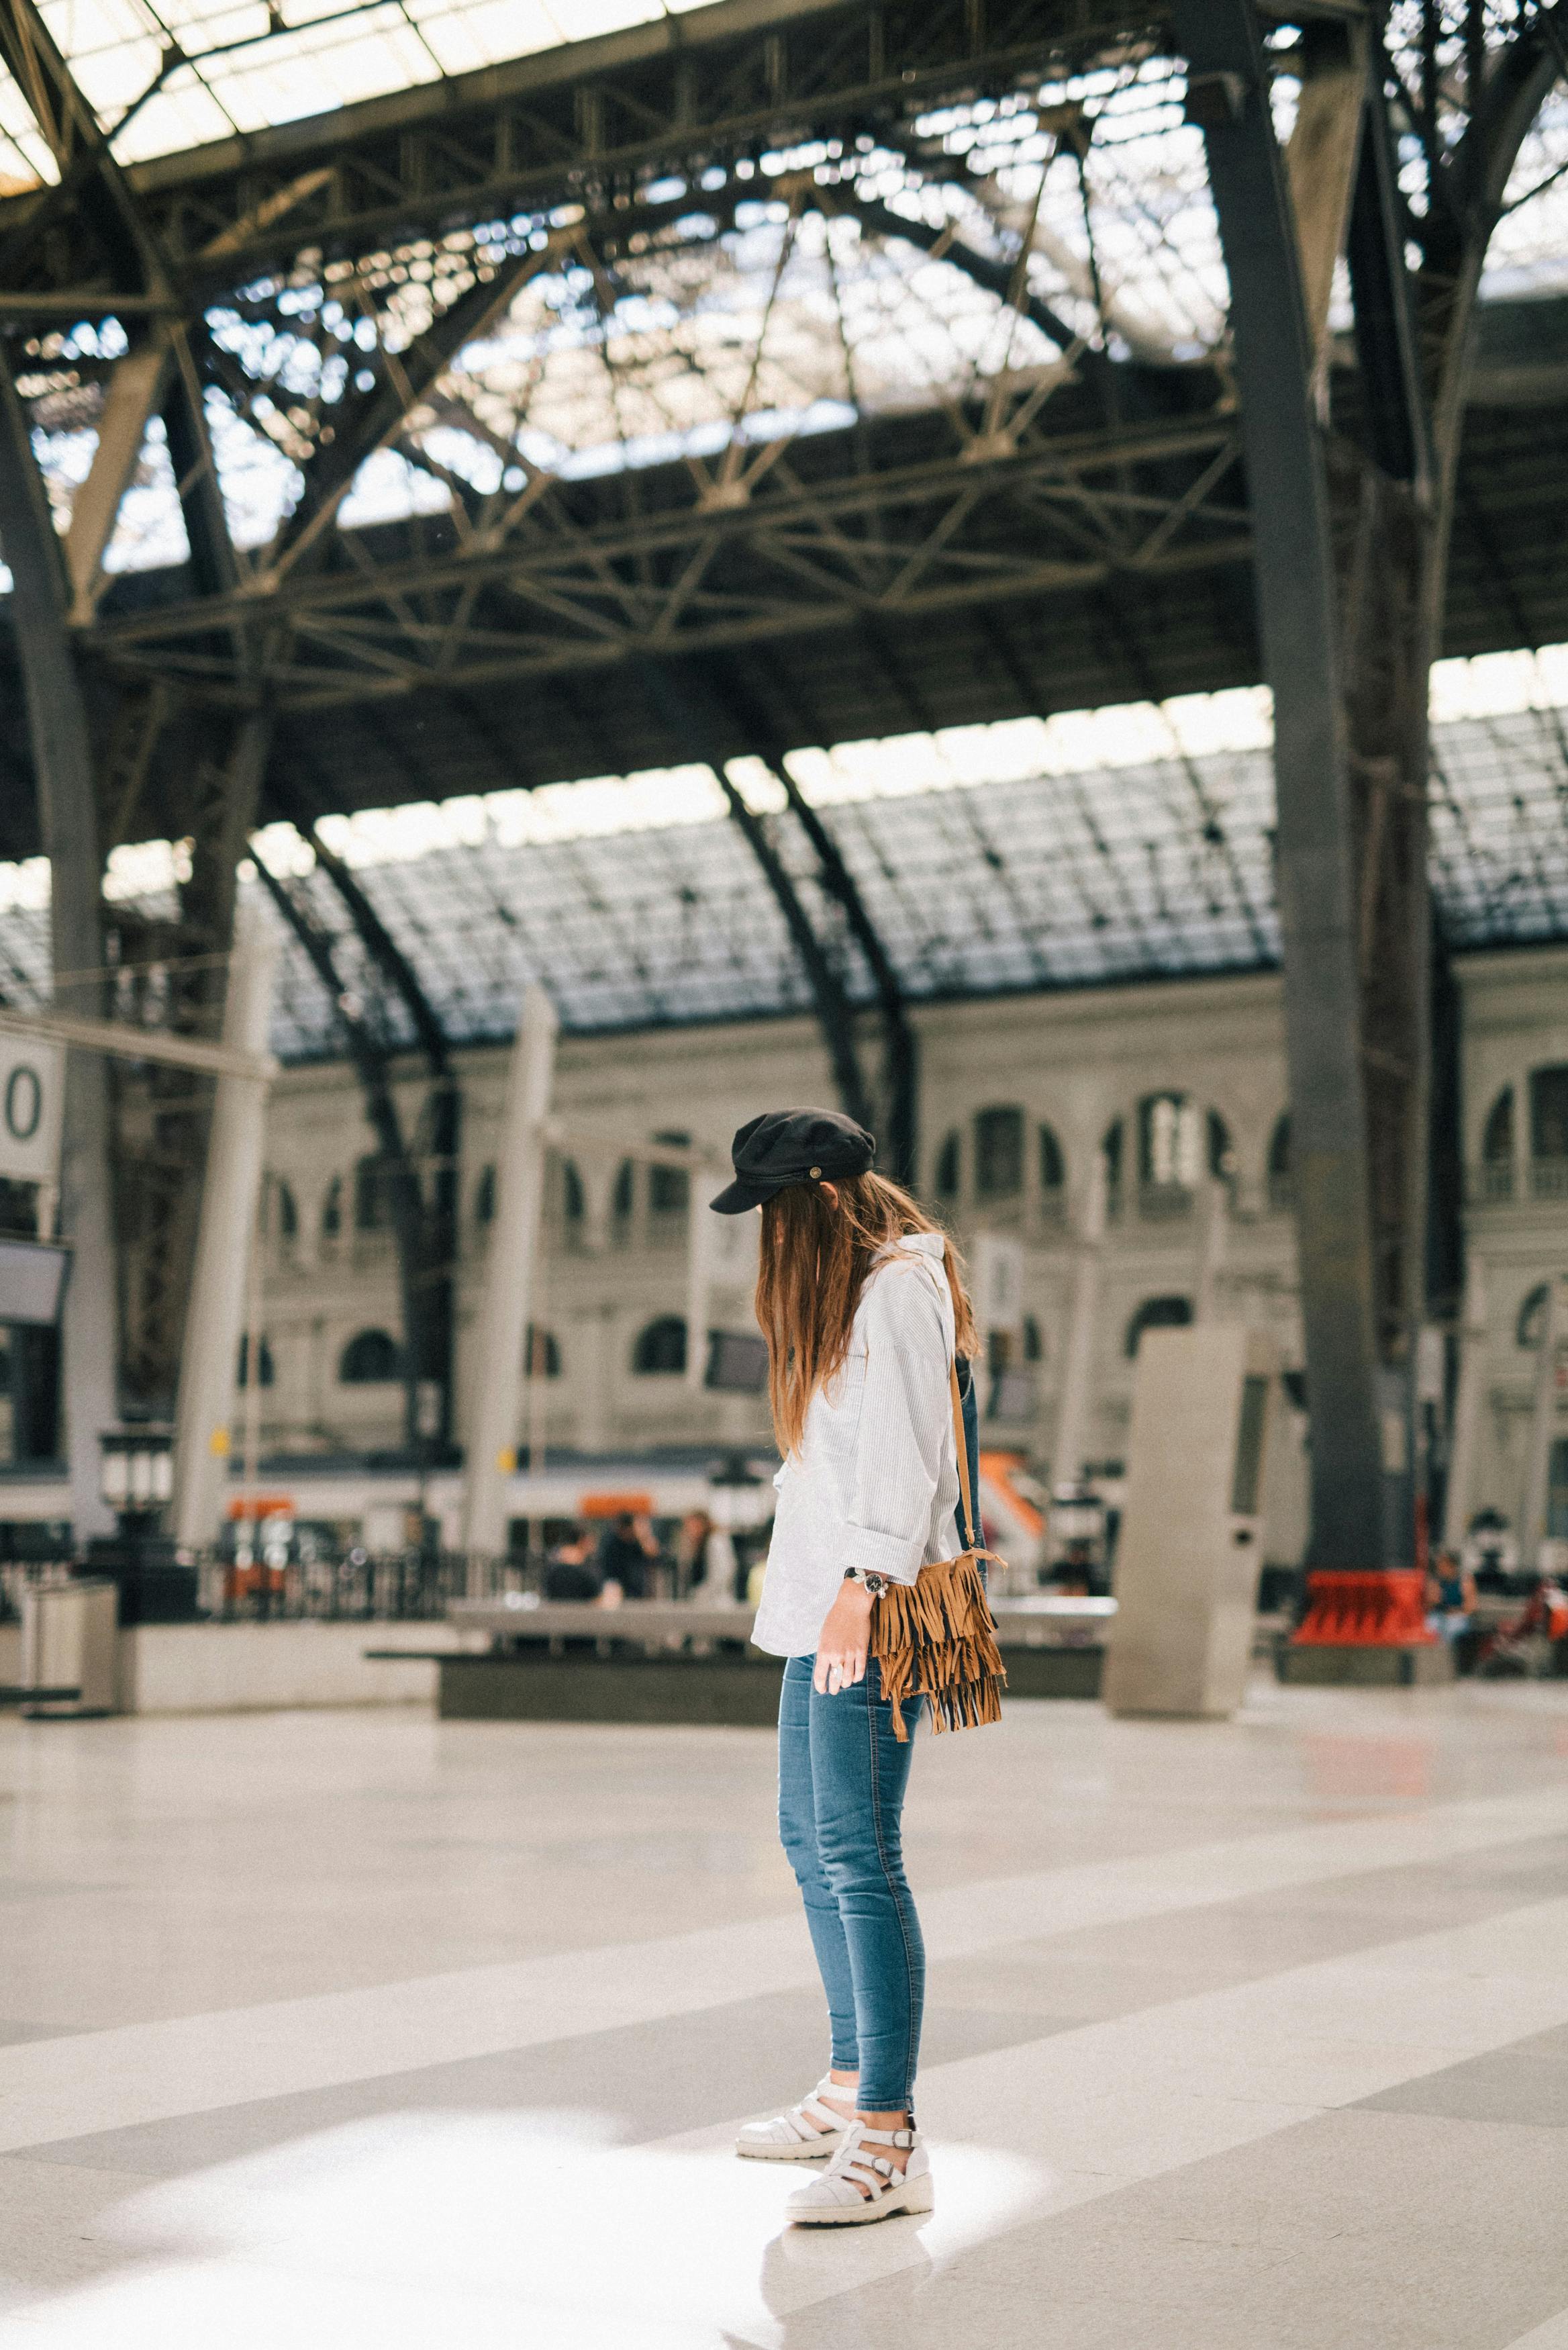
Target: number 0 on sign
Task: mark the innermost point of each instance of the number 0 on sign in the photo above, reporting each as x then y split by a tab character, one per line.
32	1097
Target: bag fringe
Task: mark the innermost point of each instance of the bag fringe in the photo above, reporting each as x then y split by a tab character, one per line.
936	1639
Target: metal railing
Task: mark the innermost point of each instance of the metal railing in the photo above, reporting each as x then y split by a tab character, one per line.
1499	1180
381	1588
400	1586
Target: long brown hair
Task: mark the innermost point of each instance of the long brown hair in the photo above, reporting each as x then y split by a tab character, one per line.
816	1257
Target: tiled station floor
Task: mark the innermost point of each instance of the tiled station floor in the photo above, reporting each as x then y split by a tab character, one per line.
360	2029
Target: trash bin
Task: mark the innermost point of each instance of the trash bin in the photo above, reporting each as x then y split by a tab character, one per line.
71	1639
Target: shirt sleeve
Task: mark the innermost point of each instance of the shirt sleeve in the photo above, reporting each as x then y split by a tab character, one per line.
898	1444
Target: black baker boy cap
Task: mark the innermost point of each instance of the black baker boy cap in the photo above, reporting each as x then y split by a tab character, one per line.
792	1146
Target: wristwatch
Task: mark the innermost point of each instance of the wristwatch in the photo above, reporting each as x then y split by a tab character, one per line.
874	1583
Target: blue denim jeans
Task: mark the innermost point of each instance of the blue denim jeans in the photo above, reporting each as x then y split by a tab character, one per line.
842	1775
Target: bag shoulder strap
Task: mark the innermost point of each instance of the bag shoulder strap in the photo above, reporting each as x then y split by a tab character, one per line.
970	1530
970	1536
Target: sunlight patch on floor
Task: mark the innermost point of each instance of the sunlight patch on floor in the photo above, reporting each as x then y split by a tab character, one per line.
420	2230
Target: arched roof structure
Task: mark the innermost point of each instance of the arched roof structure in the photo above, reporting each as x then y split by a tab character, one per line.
890	411
430	406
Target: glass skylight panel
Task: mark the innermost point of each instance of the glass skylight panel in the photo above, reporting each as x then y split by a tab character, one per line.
637	903
1529	250
251	65
26	158
296	73
735	328
466	37
1124	238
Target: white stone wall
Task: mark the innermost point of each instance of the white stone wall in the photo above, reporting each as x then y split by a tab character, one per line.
1075	1061
1515	1021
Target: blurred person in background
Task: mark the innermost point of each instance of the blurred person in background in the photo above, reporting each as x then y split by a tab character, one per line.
704	1559
569	1569
629	1558
1450	1596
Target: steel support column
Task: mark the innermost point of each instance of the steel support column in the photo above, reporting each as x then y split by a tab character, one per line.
432	1340
897	1125
1316	874
835	1013
372	1066
901	1046
63	771
161	1116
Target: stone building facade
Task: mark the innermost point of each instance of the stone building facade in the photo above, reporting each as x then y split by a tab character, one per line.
1177	1088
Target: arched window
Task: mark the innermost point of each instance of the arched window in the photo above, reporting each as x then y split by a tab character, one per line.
18	1207
670	1188
1053	1166
997	1154
372	1195
661	1348
541	1353
1112	1150
485	1196
332	1210
1156	1313
264	1359
1497	1139
280	1215
1282	1181
1531	1319
573	1198
1549	1112
1221	1151
624	1195
1033	1344
370	1358
947	1176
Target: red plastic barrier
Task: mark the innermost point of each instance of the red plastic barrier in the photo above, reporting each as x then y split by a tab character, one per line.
1375	1607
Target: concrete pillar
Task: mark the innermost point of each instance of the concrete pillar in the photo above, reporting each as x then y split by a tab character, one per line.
224	1244
597	1171
701	1220
510	1276
1187	1565
595	1353
1467	1401
1076	1401
1214	1231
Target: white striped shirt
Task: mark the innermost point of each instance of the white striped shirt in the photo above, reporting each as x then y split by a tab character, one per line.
875	1482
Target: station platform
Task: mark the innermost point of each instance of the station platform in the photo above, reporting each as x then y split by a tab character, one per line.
341	2028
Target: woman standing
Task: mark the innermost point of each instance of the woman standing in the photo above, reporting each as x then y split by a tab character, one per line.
861	1301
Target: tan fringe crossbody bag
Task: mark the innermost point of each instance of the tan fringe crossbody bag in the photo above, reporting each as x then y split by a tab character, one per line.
936	1638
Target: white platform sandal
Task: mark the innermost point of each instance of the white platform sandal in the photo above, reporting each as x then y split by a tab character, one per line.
809	2132
836	2199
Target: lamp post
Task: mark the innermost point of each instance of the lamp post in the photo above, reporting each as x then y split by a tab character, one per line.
136	1478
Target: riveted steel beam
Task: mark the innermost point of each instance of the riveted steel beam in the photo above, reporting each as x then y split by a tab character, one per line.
735	78
1299	626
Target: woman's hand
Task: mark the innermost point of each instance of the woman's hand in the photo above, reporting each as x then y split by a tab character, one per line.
841	1649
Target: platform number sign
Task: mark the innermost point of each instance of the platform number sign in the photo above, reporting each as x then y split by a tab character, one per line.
32	1096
